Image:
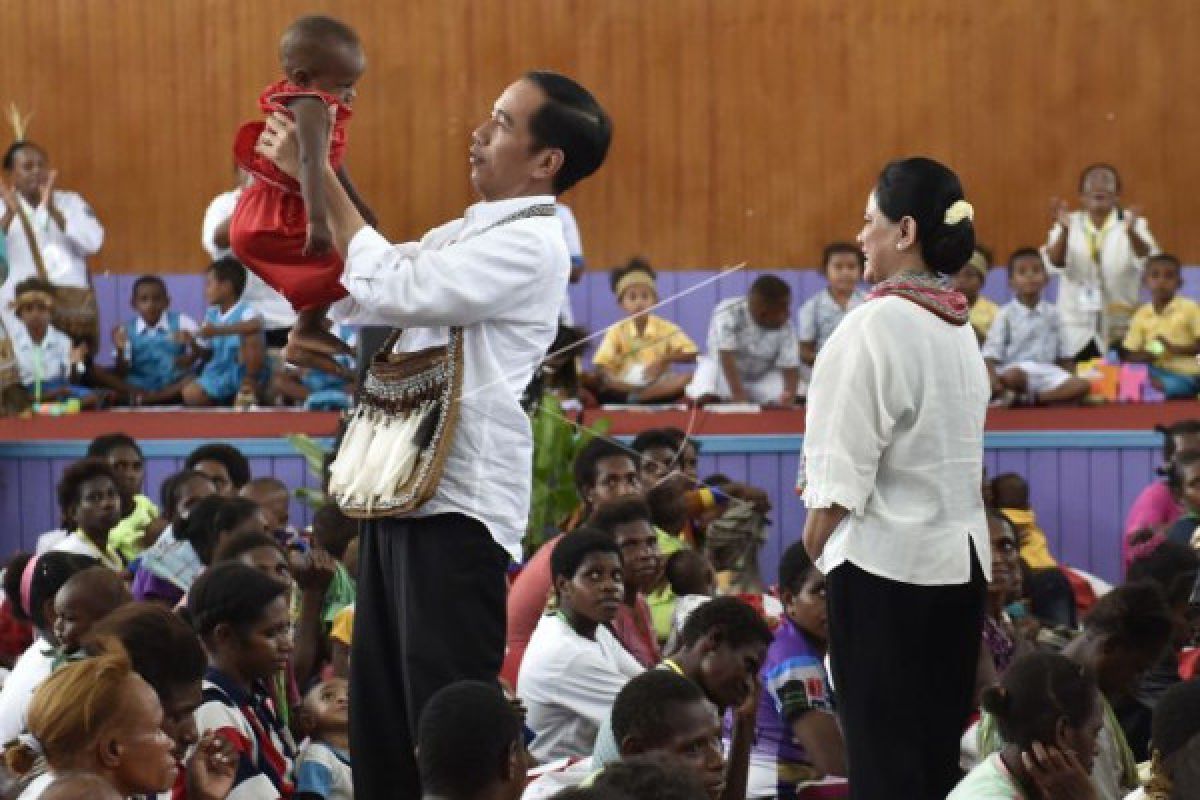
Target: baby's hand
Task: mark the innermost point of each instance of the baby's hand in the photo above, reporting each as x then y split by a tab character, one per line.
320	238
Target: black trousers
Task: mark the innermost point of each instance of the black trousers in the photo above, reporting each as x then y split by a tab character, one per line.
429	612
904	659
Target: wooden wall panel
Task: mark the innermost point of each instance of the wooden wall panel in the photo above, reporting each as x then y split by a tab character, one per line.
745	130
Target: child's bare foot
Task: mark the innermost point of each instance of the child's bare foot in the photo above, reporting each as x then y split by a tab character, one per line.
311	332
298	355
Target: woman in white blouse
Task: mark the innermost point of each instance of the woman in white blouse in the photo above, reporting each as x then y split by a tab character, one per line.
893	461
1100	252
64	228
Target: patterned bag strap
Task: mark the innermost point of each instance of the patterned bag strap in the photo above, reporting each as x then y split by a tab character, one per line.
35	248
538	210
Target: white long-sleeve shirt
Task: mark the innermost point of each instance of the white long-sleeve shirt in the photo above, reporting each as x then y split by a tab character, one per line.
894	433
1116	281
64	250
274	308
504	286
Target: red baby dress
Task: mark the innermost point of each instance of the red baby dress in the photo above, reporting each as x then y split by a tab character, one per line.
269	225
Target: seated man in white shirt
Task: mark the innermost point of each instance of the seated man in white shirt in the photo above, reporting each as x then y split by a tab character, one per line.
662	714
574	666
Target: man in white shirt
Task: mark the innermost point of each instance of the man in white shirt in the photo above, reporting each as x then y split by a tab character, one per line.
430	607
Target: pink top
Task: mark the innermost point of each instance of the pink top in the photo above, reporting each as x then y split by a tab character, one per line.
1154	508
634	629
527	598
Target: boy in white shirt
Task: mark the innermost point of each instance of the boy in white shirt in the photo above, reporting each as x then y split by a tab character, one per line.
753	355
46	360
1026	351
574	666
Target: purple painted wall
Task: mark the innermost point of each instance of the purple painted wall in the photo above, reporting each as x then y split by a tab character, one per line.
592	300
1081	495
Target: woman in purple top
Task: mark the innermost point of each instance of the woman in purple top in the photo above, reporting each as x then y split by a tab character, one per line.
798	740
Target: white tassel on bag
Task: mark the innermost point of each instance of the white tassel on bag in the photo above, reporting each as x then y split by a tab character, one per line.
354	446
362	482
402	455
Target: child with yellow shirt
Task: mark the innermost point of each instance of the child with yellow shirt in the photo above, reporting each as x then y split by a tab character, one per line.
969	280
1165	333
633	364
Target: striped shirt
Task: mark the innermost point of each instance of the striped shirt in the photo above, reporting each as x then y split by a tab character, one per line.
250	722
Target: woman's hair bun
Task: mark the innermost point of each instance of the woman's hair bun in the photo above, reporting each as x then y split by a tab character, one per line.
925	190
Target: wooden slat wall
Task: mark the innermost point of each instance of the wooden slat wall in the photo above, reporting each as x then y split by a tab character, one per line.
747	130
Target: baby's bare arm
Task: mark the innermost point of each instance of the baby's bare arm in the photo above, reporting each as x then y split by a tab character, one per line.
312	136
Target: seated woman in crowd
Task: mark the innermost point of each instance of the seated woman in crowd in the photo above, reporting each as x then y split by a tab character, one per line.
1159	504
168	570
242	618
574	666
1002	641
1049	713
628	522
167	654
31	585
1122	637
140	524
88	497
98	716
1175	765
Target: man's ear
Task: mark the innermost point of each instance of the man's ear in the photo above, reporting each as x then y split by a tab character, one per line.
108	751
549	162
631	746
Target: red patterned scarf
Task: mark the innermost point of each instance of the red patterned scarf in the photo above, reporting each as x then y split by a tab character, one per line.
929	292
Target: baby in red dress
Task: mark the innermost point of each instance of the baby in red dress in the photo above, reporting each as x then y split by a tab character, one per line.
280	229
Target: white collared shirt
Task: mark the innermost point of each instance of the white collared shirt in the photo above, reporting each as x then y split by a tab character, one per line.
504	286
163	326
894	434
1118	277
64	250
45	361
270	304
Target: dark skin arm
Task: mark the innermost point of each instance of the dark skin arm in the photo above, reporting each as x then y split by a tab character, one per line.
737	768
818	733
363	209
737	392
808	352
819	526
244	328
312	137
313	578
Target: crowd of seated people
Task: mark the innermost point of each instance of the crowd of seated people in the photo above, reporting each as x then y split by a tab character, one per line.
641	657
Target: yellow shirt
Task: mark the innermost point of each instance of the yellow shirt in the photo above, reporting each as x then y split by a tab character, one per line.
343	626
1179	324
623	348
982	315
